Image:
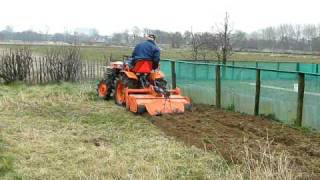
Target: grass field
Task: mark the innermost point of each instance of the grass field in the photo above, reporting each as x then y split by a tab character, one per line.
65	132
101	53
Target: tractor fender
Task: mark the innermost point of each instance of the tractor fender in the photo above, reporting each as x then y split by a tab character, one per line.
156	75
131	75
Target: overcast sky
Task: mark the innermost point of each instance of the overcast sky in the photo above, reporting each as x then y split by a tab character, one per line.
110	16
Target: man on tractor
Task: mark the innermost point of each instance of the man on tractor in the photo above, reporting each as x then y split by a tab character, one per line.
140	88
147	50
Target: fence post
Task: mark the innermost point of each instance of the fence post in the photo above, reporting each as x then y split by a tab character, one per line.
33	64
278	69
29	70
37	71
98	70
173	74
298	67
301	86
317	68
40	70
94	70
232	69
194	71
218	87
257	97
85	70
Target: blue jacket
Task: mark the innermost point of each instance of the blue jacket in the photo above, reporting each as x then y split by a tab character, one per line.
147	50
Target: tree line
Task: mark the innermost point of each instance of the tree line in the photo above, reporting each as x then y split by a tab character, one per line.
284	37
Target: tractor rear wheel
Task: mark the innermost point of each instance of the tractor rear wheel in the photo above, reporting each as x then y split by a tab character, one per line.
121	84
119	95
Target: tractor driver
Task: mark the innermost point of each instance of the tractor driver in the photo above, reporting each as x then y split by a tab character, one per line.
147	50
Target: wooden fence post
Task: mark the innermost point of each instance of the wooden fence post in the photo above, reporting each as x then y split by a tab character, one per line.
218	87
298	67
40	70
81	70
37	71
317	68
33	64
29	71
173	74
257	97
94	69
85	70
98	70
301	86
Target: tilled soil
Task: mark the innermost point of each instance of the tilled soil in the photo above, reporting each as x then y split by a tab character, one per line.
229	134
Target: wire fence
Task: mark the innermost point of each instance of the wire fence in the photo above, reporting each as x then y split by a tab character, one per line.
291	97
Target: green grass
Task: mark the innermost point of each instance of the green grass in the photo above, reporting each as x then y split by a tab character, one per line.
102	53
65	132
5	160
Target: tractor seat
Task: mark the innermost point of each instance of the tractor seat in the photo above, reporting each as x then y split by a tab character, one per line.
142	66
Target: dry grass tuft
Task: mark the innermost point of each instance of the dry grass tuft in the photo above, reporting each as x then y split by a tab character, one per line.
267	163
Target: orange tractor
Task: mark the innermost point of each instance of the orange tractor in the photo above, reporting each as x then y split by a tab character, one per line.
141	89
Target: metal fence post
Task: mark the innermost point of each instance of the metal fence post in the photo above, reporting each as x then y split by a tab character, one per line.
173	74
218	87
301	86
298	67
257	96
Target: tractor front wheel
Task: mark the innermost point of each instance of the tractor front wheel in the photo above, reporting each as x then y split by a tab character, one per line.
104	89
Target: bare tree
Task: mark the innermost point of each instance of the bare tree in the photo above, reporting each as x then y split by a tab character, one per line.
223	35
197	43
136	34
309	32
176	39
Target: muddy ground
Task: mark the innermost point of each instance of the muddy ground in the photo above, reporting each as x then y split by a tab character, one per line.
230	133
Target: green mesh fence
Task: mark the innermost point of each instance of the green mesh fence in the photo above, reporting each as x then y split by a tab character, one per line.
278	96
197	81
267	65
279	89
166	69
238	89
311	107
282	66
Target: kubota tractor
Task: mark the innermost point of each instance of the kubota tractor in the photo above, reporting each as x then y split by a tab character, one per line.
141	89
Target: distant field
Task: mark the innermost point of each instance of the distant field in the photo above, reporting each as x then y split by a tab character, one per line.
101	53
